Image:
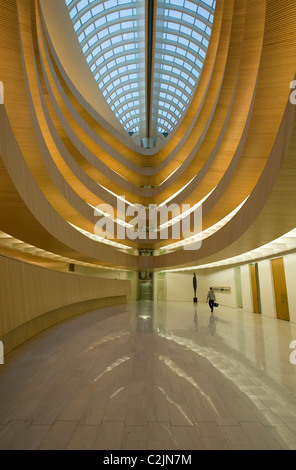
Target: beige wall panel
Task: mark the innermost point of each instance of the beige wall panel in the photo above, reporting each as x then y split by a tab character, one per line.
33	298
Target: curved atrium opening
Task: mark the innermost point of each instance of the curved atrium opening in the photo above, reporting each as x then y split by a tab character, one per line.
146	57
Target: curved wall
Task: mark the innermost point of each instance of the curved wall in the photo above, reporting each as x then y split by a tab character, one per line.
34	298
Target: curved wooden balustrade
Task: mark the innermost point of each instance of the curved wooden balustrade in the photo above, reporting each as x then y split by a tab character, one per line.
61	158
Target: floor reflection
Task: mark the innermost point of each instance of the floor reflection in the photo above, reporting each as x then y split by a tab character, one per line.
213	323
195	318
153	375
151	317
144	317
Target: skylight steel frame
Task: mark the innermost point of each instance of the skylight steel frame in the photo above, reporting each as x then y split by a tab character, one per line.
112	37
178	52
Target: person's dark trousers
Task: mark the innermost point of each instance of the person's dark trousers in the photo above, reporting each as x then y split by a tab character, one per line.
211	304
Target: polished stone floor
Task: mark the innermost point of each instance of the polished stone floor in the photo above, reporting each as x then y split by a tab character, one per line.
158	376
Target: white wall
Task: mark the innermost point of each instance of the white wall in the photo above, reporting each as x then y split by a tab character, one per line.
223	278
267	287
268	304
203	284
179	287
159	287
290	271
246	288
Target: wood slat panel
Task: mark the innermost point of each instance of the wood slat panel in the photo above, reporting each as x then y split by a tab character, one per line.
33	298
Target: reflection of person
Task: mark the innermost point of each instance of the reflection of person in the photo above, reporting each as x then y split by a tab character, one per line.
195	320
211	298
212	324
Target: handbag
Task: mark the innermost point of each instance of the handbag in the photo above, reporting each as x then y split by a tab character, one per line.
216	304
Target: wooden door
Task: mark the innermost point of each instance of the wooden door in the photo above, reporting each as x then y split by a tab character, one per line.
280	289
255	288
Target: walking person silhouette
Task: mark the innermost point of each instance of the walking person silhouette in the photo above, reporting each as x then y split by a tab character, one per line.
211	298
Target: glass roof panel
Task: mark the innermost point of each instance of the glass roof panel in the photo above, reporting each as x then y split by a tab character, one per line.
183	30
108	33
112	38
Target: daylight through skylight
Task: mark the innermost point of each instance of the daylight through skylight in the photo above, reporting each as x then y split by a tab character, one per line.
112	38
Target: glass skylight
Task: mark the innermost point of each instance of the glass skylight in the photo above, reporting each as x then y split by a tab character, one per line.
109	35
183	30
112	37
